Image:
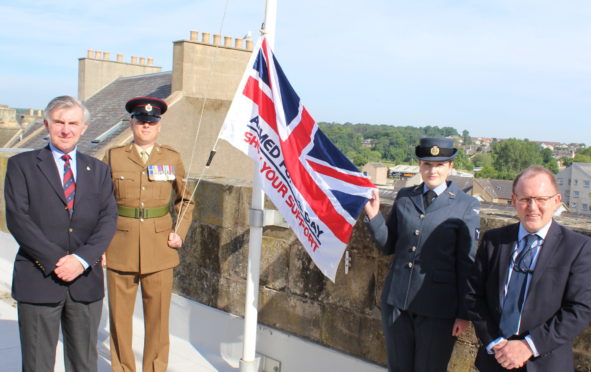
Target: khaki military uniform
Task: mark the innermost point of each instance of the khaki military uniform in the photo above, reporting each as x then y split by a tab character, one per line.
139	252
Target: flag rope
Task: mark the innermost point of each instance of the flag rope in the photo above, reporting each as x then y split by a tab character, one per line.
184	206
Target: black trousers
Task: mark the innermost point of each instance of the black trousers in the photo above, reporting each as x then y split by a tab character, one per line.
416	343
39	332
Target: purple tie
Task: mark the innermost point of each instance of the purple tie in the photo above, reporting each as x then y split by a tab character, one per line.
69	184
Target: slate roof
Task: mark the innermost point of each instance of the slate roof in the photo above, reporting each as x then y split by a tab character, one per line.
498	189
107	108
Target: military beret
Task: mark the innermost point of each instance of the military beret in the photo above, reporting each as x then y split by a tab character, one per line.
147	109
436	149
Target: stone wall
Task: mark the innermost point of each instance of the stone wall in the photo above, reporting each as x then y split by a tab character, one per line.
294	296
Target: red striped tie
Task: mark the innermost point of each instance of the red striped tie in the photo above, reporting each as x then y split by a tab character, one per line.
69	184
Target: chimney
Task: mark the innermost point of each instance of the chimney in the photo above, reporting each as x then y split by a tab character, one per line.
98	54
133	60
142	60
249	44
150	61
227	41
194	36
106	56
216	39
119	57
90	53
238	44
205	37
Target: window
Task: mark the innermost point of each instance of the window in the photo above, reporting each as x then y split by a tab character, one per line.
573	205
560	182
576	182
586	184
576	194
585	207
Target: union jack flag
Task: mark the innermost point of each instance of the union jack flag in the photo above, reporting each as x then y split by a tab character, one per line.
318	191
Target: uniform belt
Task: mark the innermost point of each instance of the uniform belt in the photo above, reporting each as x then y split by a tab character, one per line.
142	212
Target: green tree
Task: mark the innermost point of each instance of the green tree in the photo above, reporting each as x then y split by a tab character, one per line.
462	161
583	155
482	160
513	155
466	139
566	161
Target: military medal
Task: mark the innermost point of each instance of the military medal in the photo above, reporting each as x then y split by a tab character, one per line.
161	172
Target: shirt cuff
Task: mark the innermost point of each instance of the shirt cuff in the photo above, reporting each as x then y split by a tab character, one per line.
532	346
493	344
84	263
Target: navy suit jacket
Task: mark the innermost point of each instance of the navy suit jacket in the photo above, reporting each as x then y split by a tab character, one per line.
37	217
434	251
558	303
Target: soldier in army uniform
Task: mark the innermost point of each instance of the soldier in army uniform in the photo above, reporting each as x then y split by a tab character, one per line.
432	231
144	249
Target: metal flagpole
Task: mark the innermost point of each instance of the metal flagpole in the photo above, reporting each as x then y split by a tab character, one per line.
248	363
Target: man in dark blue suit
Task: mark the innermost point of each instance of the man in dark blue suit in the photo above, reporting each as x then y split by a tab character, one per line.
432	231
530	294
61	211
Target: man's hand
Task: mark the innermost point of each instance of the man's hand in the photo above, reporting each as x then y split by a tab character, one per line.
174	240
513	354
460	325
68	268
372	208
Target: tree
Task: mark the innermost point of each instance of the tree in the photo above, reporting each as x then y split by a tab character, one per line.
466	139
462	161
482	160
583	155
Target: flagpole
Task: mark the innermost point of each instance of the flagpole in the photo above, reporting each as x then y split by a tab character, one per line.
248	363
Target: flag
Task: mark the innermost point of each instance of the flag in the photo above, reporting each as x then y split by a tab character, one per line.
317	190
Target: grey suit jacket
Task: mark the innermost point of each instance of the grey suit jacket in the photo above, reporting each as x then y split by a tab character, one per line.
37	218
558	304
433	249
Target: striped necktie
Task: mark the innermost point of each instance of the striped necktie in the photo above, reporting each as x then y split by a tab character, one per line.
69	184
513	305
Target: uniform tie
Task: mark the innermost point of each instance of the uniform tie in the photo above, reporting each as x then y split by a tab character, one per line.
513	305
69	184
429	196
145	156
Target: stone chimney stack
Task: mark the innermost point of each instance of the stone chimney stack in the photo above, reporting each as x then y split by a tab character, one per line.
97	71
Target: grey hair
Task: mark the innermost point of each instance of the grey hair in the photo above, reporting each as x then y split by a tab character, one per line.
62	102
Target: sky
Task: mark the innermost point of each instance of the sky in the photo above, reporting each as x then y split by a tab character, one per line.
497	68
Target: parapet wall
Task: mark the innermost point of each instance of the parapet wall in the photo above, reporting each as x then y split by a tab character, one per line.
294	296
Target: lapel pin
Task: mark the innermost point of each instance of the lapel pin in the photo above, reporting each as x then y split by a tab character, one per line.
87	168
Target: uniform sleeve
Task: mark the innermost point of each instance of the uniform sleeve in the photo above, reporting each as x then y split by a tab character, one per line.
384	232
467	245
183	203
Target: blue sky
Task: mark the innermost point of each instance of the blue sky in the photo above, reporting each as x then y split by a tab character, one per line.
498	68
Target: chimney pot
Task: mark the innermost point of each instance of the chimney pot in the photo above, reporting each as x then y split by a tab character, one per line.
119	57
194	36
39	112
31	112
142	60
98	54
227	41
150	61
106	56
90	53
249	44
216	39
238	43
133	60
205	37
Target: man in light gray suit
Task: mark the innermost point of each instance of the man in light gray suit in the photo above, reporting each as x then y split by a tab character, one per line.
432	231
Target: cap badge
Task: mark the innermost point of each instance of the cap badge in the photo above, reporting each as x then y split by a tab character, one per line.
148	107
435	150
